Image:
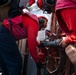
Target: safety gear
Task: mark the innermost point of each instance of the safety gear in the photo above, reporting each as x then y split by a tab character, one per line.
50	2
15	26
61	4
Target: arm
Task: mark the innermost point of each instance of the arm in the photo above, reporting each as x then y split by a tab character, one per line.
70	38
32	34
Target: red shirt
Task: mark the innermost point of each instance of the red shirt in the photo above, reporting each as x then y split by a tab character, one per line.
29	30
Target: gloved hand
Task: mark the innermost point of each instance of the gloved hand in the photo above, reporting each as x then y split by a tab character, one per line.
39	65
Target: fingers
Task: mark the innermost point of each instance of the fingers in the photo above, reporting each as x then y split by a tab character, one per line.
63	43
60	43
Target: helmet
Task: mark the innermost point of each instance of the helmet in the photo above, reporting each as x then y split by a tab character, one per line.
50	2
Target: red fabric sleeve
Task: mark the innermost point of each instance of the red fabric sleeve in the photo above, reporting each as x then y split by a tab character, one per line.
67	22
31	2
71	38
32	30
32	34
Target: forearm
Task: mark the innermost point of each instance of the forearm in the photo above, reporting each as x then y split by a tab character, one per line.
70	38
32	48
32	34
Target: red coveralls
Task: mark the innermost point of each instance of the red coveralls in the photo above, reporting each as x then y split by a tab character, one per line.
66	15
29	30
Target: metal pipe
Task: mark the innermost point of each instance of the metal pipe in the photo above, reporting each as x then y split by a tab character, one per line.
48	43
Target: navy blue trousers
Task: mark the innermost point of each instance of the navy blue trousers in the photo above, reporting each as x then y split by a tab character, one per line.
10	57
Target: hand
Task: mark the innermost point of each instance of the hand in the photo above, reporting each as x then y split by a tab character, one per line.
71	53
48	33
63	43
53	36
58	41
39	65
